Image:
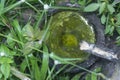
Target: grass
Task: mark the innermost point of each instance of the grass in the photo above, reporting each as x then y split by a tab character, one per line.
23	53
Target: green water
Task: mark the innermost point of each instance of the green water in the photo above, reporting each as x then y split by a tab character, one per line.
66	31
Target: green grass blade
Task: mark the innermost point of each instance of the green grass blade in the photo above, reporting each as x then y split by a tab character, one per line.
11	7
45	61
2	3
39	19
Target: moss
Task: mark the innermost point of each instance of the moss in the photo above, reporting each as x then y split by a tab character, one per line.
69	40
66	31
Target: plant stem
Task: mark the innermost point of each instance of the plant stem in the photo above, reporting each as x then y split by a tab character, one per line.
19	74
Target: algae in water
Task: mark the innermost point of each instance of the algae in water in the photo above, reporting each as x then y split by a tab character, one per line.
67	29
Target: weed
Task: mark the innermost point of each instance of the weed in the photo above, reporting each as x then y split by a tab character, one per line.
23	53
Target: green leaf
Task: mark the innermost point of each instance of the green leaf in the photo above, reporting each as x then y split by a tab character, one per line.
115	2
23	65
38	34
37	72
103	19
10	42
102	7
16	26
91	7
30	46
2	3
11	6
118	29
35	69
5	69
118	19
18	31
88	77
118	40
27	48
82	2
93	76
1	24
45	61
28	32
63	78
5	60
76	77
1	75
4	51
109	30
110	8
